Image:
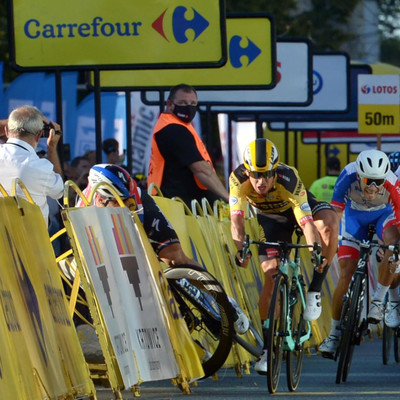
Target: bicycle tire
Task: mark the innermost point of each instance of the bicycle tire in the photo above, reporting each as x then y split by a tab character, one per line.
396	334
386	343
351	322
217	332
294	359
276	332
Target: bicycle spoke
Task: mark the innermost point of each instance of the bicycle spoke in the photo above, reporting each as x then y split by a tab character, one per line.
207	312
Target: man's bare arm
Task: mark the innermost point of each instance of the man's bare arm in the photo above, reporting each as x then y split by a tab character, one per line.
206	175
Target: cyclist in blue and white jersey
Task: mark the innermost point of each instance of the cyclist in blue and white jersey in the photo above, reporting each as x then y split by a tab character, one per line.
366	192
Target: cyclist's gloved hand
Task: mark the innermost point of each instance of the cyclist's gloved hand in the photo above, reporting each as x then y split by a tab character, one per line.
394	265
380	254
239	258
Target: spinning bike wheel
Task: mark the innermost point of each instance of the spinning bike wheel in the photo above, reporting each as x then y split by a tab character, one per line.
276	332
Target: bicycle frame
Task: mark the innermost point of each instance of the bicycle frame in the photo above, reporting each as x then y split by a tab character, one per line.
362	270
297	286
291	269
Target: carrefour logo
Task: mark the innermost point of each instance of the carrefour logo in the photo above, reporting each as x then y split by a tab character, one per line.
365	89
180	24
236	51
317	82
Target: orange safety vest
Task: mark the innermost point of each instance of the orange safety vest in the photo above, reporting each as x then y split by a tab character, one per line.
157	161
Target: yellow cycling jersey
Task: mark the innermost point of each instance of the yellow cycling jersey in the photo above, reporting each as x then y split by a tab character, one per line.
288	192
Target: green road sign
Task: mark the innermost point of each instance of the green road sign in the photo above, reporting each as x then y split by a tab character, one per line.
117	34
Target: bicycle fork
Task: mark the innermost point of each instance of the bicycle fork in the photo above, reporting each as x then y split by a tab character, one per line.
362	329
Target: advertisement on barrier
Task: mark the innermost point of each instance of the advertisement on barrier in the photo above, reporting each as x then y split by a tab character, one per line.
126	292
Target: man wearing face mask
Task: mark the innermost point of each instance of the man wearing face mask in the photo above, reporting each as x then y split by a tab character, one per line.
180	164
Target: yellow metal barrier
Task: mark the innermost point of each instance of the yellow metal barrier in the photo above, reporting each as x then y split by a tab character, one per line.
184	349
44	358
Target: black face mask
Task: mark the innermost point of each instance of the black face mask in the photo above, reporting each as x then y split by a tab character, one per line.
185	113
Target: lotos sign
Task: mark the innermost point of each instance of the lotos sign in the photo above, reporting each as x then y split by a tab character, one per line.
118	34
378	104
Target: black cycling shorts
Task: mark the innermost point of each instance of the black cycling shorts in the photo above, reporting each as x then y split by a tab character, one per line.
280	226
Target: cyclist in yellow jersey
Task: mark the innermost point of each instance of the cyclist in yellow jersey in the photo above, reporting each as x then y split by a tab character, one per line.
277	193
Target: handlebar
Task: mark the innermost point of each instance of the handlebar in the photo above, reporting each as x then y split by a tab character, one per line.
372	243
368	244
280	243
285	248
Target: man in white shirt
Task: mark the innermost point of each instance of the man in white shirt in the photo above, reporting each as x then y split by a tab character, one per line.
18	159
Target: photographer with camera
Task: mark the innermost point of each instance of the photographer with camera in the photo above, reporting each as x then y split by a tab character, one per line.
18	159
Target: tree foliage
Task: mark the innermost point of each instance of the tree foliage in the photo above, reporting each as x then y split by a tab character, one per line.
389	18
322	21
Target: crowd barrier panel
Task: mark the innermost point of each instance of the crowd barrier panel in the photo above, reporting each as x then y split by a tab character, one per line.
195	243
249	279
222	271
43	357
120	265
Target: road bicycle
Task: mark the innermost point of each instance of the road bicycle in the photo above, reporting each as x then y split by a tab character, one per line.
353	321
390	335
287	330
208	313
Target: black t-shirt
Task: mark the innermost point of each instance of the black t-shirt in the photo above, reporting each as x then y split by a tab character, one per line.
178	147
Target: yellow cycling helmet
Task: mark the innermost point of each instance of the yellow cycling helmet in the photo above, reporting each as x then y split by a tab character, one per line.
260	155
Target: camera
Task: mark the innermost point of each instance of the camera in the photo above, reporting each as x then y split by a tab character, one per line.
46	130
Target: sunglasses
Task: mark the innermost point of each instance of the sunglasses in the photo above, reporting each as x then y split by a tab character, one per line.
373	181
105	201
258	175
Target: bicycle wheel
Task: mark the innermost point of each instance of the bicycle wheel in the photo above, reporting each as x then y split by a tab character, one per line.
276	332
386	343
294	359
350	320
396	334
206	310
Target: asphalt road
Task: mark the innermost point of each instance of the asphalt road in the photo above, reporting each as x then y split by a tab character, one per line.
368	379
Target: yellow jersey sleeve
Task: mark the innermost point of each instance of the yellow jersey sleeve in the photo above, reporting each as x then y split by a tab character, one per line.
288	192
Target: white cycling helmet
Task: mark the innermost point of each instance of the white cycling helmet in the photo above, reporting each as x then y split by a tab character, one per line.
373	164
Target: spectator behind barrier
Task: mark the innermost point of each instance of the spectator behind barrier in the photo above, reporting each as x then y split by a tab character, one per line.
18	159
322	188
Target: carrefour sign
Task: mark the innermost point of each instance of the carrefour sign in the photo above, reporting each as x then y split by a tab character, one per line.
251	62
117	34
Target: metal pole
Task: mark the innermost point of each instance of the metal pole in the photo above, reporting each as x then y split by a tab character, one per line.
97	115
59	114
129	144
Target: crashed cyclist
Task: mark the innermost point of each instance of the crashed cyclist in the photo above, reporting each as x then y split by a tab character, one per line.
276	191
160	232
